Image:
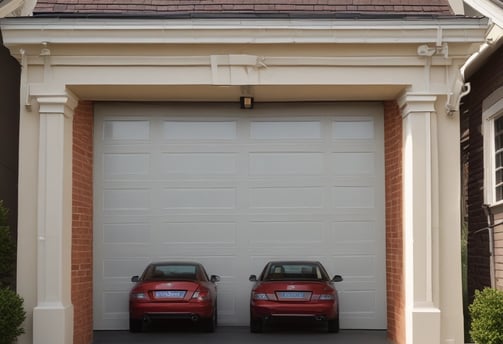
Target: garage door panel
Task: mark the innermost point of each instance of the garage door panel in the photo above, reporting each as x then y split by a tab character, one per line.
280	146
362	266
285	233
127	252
126	130
353	163
286	197
285	130
294	163
126	164
353	197
188	252
202	198
126	199
199	130
126	233
347	231
236	189
357	128
211	233
199	163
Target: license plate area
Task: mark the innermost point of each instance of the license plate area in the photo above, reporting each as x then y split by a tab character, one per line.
169	294
293	295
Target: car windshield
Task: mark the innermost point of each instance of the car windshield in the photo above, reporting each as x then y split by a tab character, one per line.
172	272
294	272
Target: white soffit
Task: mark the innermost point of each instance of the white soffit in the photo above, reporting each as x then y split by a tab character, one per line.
241	31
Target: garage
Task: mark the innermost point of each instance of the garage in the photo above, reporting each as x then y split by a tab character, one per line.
234	188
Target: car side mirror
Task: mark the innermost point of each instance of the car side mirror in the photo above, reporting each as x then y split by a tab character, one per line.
337	278
135	279
215	278
253	278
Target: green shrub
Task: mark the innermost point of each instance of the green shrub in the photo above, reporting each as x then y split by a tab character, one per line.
7	251
12	316
4	213
487	316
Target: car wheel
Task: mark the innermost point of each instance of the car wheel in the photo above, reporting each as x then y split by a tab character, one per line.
333	325
256	325
210	325
135	325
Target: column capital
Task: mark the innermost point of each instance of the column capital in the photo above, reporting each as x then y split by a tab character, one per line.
416	102
54	100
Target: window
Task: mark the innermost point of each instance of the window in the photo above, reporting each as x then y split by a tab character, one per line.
493	147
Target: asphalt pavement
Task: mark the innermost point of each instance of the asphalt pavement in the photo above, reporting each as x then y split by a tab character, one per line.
241	335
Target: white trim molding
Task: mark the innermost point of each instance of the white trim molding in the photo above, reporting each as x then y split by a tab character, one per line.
492	109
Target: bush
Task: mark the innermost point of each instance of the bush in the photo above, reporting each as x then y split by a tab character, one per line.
4	212
7	251
12	316
487	316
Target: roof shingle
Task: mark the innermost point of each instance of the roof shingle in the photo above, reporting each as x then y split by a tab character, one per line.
236	7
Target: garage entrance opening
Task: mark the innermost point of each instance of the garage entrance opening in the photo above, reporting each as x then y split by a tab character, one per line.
235	188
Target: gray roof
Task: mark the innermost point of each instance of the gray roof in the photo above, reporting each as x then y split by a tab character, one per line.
224	8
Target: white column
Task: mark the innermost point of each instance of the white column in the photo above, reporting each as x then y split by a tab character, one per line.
420	231
53	314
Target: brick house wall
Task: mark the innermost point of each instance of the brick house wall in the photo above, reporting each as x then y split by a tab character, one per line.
394	232
82	245
82	223
484	81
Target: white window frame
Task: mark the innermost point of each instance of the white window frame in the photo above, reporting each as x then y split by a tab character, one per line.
492	109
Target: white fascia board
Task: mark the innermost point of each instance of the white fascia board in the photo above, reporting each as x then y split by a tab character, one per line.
240	31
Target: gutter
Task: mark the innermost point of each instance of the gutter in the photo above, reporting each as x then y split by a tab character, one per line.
477	60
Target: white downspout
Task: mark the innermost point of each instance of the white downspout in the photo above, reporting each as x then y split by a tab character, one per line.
490	231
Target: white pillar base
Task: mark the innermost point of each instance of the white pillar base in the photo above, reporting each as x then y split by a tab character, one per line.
53	324
425	325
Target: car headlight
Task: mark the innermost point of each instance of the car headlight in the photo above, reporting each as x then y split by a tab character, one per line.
327	297
260	296
139	296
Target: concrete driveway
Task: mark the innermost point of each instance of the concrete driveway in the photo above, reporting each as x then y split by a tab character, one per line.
241	335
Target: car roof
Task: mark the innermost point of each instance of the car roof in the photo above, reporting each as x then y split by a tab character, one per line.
294	262
176	263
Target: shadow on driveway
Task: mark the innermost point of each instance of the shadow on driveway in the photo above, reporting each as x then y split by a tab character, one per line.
241	335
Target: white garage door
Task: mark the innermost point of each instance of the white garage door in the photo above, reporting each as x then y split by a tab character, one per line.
235	188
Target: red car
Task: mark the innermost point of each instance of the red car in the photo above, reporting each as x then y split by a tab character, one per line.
294	290
173	290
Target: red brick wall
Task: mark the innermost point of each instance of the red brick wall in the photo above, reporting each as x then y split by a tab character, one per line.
82	224
394	239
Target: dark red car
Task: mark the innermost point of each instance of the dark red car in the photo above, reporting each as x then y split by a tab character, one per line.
173	290
294	290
